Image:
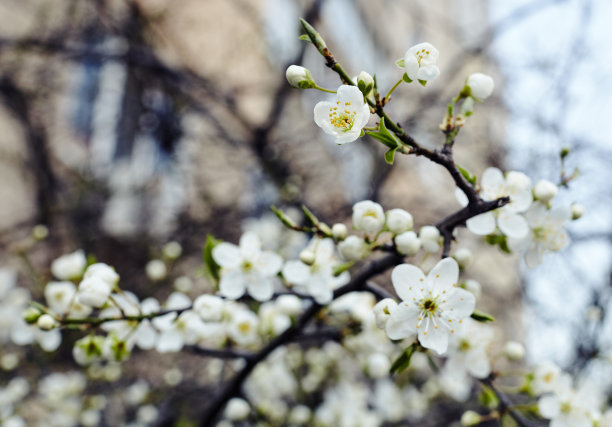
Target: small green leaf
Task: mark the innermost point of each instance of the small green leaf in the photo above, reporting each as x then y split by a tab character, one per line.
423	82
361	85
403	361
488	398
341	268
390	155
400	63
406	78
467	175
283	218
304	37
310	216
481	316
212	268
384	136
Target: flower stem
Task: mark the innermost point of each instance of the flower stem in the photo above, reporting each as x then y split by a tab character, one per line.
322	89
392	89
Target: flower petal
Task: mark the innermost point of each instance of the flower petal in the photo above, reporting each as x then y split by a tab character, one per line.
461	197
260	288
512	225
250	245
232	285
227	255
492	179
349	93
296	272
402	321
443	276
478	364
408	281
434	335
170	341
268	263
320	290
482	224
458	304
145	336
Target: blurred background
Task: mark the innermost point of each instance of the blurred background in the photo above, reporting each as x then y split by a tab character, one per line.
125	125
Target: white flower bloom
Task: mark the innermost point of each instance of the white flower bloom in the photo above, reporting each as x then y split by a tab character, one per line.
345	117
430	238
318	279
353	248
419	62
209	307
243	327
468	349
104	272
481	86
289	305
382	311
545	377
93	291
88	349
368	216
299	77
247	268
567	407
156	270
432	306
545	191
546	233
408	243
399	221
59	295
69	266
494	185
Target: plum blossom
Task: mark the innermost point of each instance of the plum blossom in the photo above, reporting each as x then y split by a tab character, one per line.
546	233
568	407
494	185
468	349
432	306
247	268
419	62
69	266
345	117
368	216
318	278
480	85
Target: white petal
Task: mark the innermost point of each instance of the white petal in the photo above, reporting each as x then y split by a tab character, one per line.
402	321
268	263
352	94
170	341
260	288
164	322
549	406
520	200
296	272
435	338
319	288
461	197
227	255
149	305
408	281
145	336
49	340
250	245
482	224
478	363
512	225
428	72
443	276
177	301
232	285
460	301
492	178
411	65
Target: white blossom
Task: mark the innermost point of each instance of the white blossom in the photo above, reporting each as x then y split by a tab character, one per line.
468	349
382	311
93	291
209	307
429	236
545	191
399	221
339	231
407	243
104	272
419	62
345	117
59	296
432	306
481	86
243	327
246	268
69	266
494	185
353	248
368	216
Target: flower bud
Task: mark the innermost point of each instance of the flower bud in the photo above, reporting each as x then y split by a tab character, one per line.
577	210
545	190
398	221
514	350
365	83
368	216
289	305
237	409
430	236
467	107
470	418
299	77
31	315
93	291
46	322
209	307
156	270
407	243
339	231
382	311
464	257
480	86
307	256
353	248
104	272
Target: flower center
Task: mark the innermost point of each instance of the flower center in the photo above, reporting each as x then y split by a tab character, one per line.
566	408
247	266
464	345
420	55
244	327
429	306
343	120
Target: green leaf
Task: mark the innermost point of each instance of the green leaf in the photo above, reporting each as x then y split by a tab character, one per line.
212	268
488	398
400	63
283	218
310	216
384	136
403	361
305	37
341	268
467	175
406	78
390	155
482	316
423	82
